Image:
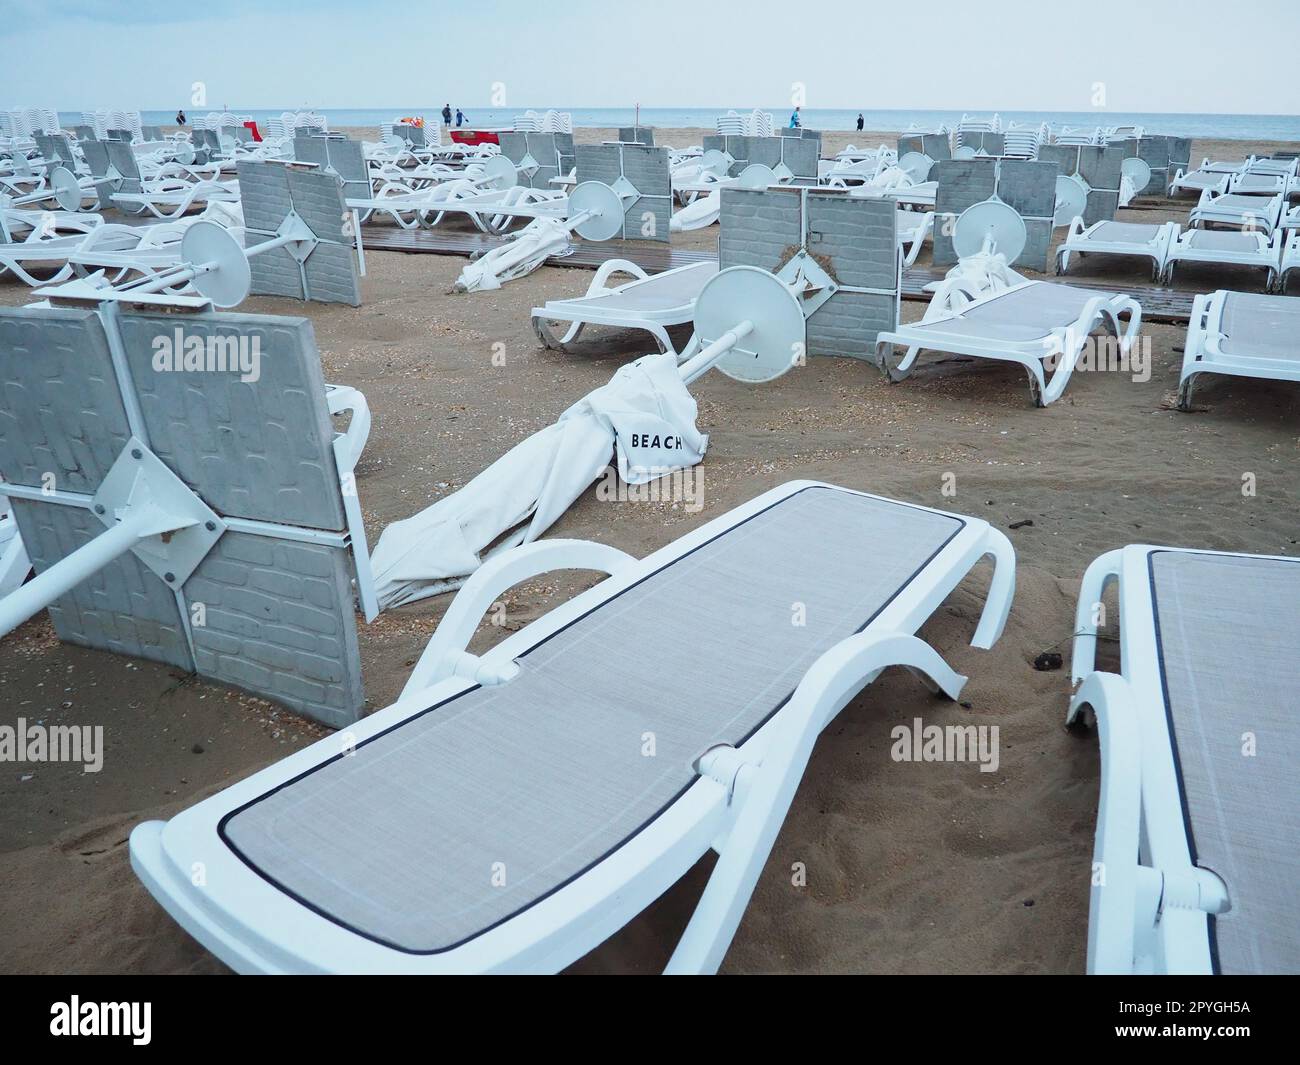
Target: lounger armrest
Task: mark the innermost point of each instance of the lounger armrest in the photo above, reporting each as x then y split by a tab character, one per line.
835	678
445	653
1103	570
610	267
340	398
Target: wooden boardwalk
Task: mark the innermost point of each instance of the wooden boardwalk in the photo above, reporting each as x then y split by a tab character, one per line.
1158	304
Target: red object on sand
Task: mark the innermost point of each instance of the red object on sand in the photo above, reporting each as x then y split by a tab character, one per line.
475	136
253	126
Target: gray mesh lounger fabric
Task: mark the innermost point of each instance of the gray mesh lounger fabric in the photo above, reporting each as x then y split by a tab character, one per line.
1260	327
546	774
1221	240
1229	633
661	292
1026	313
1125	232
1235	202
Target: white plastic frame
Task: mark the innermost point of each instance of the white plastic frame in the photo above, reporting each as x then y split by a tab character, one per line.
736	805
587	310
1149	904
1203	351
1266	254
1079	239
1064	342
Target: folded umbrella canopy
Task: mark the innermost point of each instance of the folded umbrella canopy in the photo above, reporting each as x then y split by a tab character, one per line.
644	416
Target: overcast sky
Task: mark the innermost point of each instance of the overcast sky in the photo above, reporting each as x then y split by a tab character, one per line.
1043	55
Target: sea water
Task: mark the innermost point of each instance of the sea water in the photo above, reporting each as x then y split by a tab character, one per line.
1228	127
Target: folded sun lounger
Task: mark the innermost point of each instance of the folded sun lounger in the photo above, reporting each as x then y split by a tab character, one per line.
1146	241
1226	247
1197	855
653	302
1032	323
1242	335
512	811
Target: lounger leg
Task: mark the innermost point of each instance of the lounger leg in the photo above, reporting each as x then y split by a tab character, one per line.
1002	590
1185	387
835	678
1096	579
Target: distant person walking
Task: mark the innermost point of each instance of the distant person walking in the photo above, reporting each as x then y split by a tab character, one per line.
794	119
180	118
859	121
446	115
460	118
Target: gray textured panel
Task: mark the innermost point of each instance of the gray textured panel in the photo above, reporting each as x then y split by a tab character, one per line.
253	449
263	195
799	155
268	191
124	608
278	621
96	154
858	236
1100	165
988	142
759	227
647	169
337	154
911	143
1102	206
332	277
318	200
60	409
122	156
637	134
936	145
1029	186
1038	238
276	273
854	238
849	322
84	133
1066	156
962	182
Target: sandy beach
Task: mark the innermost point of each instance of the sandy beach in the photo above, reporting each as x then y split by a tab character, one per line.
910	868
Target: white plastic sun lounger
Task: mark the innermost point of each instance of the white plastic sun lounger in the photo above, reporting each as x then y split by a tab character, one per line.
1240	334
171	197
512	811
913	228
1226	247
653	302
1199	181
920	195
1256	183
1243	211
1197	852
1035	324
1144	240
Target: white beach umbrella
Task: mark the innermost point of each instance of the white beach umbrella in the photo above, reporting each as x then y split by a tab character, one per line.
644	416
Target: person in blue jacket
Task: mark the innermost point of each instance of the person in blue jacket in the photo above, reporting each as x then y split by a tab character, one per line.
794	119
